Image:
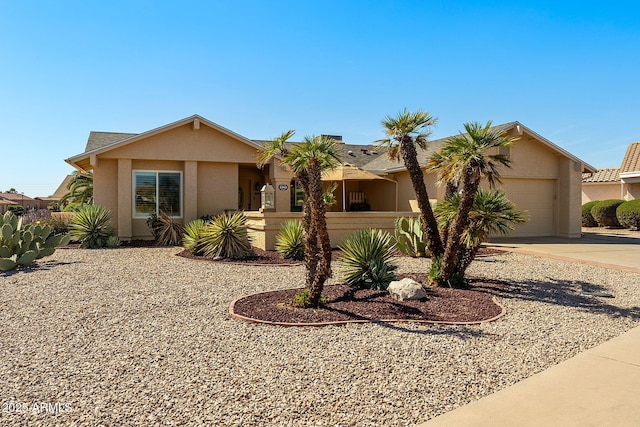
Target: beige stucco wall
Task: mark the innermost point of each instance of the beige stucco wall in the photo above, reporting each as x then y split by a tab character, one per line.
263	228
632	191
601	191
406	192
217	187
209	162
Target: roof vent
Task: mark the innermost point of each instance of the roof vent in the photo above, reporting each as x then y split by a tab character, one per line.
350	153
364	151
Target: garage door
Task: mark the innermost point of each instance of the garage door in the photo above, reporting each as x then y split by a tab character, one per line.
536	196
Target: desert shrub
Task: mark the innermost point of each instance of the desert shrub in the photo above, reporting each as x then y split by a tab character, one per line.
91	226
36	217
587	219
227	236
169	231
113	242
435	269
628	214
302	299
193	235
17	210
604	212
75	207
366	262
289	241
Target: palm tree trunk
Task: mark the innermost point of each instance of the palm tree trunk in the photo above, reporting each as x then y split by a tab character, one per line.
310	234
469	189
410	158
318	210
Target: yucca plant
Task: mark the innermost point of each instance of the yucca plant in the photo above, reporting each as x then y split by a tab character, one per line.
289	241
192	236
91	226
366	262
169	231
227	237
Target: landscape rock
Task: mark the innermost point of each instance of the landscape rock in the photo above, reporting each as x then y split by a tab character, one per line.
406	289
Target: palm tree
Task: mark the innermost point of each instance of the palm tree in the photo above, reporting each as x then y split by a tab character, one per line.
80	189
464	161
404	132
491	213
308	160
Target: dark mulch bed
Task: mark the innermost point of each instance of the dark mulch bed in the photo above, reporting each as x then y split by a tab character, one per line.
262	257
474	304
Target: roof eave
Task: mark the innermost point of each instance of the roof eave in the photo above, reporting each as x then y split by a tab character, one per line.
73	160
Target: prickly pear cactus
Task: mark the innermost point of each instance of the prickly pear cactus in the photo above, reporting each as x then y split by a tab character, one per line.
23	245
410	238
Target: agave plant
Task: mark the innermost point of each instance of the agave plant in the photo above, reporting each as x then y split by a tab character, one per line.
227	237
91	226
193	235
169	231
366	262
289	241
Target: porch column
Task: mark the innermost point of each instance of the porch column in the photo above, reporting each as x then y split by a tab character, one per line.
190	196
125	199
283	194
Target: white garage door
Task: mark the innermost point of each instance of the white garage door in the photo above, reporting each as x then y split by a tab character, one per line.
536	196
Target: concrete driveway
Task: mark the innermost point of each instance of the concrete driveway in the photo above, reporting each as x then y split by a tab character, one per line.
621	252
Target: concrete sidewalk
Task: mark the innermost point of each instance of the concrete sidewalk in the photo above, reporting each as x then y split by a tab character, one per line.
599	387
604	250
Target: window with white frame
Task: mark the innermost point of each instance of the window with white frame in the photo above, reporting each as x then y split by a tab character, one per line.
155	192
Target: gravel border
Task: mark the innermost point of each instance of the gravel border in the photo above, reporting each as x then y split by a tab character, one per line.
135	336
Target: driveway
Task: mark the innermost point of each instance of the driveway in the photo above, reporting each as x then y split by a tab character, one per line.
617	251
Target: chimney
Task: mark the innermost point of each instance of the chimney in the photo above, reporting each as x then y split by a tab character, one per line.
336	138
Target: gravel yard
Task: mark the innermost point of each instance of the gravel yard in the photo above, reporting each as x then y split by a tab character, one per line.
136	336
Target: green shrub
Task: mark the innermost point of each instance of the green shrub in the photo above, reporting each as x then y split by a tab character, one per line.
91	226
628	214
410	238
366	262
227	236
435	270
587	219
75	207
289	241
604	212
302	299
113	242
23	245
193	235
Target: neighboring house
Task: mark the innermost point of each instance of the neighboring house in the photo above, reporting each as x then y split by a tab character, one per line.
615	183
21	199
4	204
194	167
60	192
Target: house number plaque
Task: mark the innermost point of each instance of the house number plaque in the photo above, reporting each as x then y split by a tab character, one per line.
283	187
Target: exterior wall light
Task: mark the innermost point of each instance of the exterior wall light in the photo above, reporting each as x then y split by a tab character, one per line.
268	198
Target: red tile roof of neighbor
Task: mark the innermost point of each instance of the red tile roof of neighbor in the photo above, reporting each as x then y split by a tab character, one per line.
631	161
16	197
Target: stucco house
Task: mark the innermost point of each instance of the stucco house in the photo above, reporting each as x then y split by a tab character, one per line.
194	167
615	183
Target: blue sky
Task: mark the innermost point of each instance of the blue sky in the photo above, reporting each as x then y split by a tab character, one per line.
568	70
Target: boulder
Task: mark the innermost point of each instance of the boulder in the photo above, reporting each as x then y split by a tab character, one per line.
406	289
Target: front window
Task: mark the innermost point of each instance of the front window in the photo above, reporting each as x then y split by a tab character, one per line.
157	192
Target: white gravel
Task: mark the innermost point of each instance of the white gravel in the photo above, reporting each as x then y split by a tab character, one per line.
138	337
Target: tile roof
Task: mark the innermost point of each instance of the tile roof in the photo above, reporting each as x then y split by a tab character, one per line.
15	197
602	175
101	139
631	161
